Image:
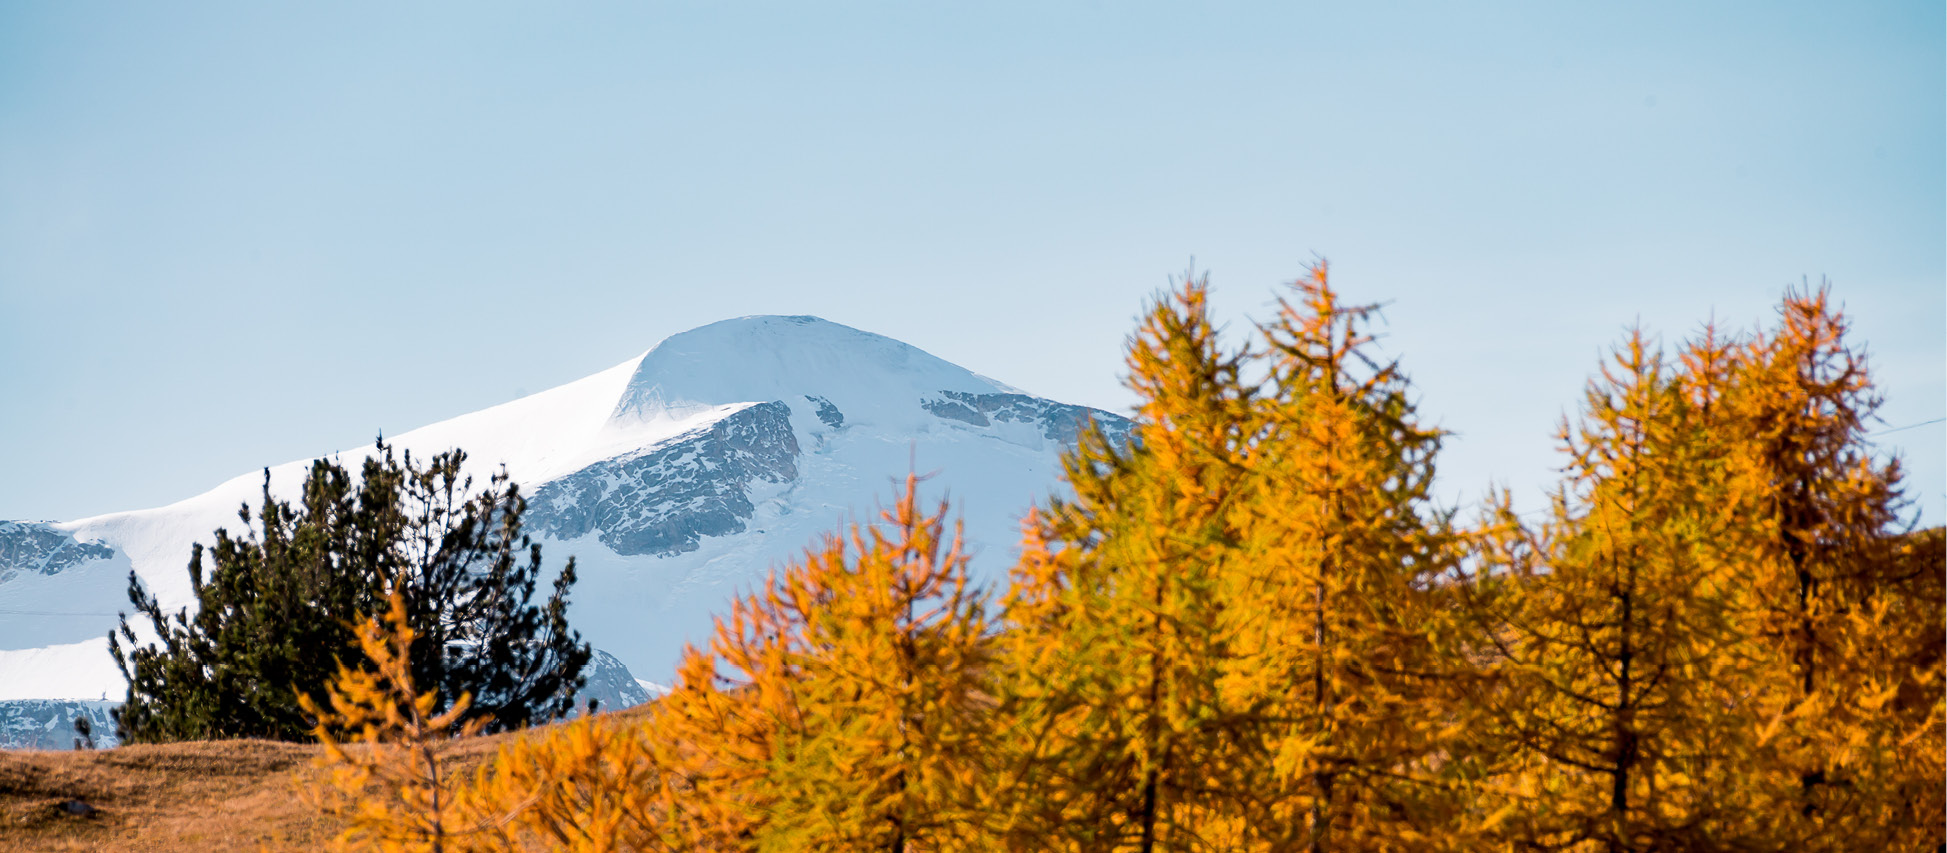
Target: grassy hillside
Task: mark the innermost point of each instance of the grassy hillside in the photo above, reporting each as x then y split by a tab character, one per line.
192	797
230	795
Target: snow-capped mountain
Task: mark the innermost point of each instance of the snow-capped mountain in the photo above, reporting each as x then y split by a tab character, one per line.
49	723
676	479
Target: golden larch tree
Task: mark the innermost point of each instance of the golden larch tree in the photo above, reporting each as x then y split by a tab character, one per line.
1115	631
1616	699
842	707
1236	634
1346	659
386	750
594	785
1844	624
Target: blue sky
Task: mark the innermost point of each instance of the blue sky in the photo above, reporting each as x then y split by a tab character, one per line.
238	234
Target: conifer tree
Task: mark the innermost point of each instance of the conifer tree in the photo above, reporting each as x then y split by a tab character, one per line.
595	785
852	717
397	788
1115	634
1619	687
1834	615
275	605
235	667
1251	629
1236	635
1348	659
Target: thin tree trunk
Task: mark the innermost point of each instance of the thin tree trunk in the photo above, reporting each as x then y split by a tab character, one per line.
1148	808
1149	811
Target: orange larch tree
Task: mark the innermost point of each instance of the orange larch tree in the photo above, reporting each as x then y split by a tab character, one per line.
1115	631
388	773
1844	624
1347	660
843	706
1618	698
1236	635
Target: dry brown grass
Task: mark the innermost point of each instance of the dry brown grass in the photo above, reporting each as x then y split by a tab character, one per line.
208	797
233	795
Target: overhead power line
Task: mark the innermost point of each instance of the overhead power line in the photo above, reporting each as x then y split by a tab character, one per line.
1907	427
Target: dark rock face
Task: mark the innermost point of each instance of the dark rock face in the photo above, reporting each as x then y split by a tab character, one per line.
49	723
827	412
36	547
610	684
1059	422
664	499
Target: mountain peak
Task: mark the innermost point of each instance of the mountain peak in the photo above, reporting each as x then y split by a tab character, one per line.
676	479
764	357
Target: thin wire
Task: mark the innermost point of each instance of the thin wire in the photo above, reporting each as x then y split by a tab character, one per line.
1907	427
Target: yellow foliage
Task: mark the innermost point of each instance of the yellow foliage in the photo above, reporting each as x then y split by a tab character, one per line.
1232	636
1620	700
590	786
1845	612
384	747
842	705
1723	639
1250	628
1114	731
1350	662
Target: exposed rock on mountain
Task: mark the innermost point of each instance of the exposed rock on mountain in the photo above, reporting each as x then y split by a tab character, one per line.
49	723
40	548
662	500
676	479
1059	422
610	685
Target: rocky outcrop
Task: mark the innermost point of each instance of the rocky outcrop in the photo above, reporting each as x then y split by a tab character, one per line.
49	723
827	411
1059	422
662	500
610	684
35	547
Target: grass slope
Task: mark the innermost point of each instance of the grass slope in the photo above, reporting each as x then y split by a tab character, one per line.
231	795
199	797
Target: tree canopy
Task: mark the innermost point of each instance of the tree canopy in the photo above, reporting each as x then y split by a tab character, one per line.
1251	627
278	604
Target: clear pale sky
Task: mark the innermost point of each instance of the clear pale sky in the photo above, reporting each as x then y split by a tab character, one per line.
238	234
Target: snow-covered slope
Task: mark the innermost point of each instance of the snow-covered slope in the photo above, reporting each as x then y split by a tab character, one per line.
676	479
49	723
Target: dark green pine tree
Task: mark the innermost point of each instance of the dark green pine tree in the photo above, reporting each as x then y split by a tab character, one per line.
276	606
